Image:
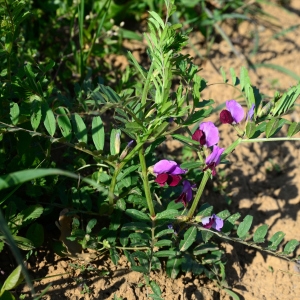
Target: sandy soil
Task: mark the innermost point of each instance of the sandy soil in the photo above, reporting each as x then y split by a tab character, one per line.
254	186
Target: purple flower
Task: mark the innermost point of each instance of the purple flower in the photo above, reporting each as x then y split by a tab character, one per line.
187	193
212	222
207	134
234	113
213	159
250	112
167	171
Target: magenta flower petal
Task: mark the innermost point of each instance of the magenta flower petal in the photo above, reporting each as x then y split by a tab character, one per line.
199	136
164	166
207	222
226	117
211	133
173	180
213	159
215	156
236	110
218	223
212	222
187	193
161	179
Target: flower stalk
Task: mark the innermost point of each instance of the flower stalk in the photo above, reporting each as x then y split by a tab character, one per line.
200	190
146	183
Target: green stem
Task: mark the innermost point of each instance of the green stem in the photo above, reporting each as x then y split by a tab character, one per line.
111	195
270	140
205	177
146	182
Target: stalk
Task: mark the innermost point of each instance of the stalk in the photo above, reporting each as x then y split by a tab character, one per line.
146	183
200	190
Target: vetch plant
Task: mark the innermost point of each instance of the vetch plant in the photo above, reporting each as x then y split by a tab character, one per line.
145	207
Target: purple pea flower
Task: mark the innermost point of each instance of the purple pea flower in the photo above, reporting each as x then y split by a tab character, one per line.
167	171
213	222
251	112
187	193
207	134
213	159
234	113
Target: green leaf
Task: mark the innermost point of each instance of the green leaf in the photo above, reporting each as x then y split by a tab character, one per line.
250	129
114	255
49	121
223	214
290	246
273	126
134	226
169	214
165	253
155	288
189	238
191	165
233	76
31	213
35	234
223	74
115	141
36	114
164	232
286	101
206	235
231	294
14	113
260	233
163	243
293	129
244	227
198	116
79	129
23	243
203	249
90	225
64	123
173	267
98	134
184	139
137	215
129	257
205	210
275	240
19	177
157	18
13	280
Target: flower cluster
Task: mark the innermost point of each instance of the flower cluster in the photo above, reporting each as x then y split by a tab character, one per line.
207	135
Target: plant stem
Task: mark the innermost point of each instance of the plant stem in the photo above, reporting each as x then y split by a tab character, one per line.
146	183
111	195
205	177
